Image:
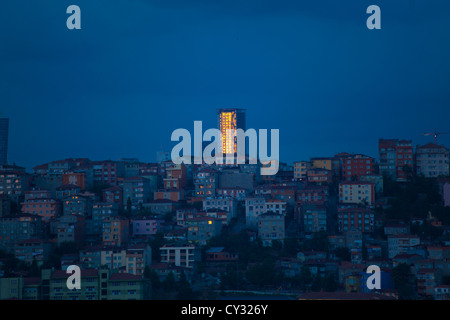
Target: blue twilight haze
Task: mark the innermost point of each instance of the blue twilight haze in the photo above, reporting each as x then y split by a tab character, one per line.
137	70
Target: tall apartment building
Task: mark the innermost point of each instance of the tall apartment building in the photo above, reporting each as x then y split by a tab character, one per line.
4	128
115	231
432	160
230	119
394	156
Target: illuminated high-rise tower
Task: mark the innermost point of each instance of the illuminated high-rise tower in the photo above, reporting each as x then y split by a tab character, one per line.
4	124
233	119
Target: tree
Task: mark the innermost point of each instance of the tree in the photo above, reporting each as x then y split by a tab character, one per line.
129	207
305	277
34	269
343	253
168	283
156	243
330	283
185	291
317	283
402	277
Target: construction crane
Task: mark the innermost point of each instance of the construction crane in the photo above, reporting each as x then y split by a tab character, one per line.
435	134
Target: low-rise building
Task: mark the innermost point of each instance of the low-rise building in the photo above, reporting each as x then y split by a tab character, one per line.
398	244
362	219
202	229
271	226
180	256
356	192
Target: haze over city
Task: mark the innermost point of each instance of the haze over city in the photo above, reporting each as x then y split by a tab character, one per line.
138	70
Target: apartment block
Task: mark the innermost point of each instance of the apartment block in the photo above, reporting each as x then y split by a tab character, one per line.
432	160
356	192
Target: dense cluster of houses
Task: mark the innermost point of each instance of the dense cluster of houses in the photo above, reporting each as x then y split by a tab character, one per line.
112	210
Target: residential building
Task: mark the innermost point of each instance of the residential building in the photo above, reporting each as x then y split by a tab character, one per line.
137	189
357	165
100	211
137	258
33	249
442	292
432	160
115	231
105	172
394	156
71	228
169	194
206	182
145	226
254	207
276	206
19	228
161	206
77	204
236	193
322	163
271	226
176	177
180	256
356	192
319	176
301	168
14	183
427	281
358	218
398	244
314	218
75	178
66	190
312	195
233	178
391	229
202	229
224	204
377	180
113	194
46	208
37	194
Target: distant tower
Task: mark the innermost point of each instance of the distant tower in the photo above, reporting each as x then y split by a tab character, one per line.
231	118
4	126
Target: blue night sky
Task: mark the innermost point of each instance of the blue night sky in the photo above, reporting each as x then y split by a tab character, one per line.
140	69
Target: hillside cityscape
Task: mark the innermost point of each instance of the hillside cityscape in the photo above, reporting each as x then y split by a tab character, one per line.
163	231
